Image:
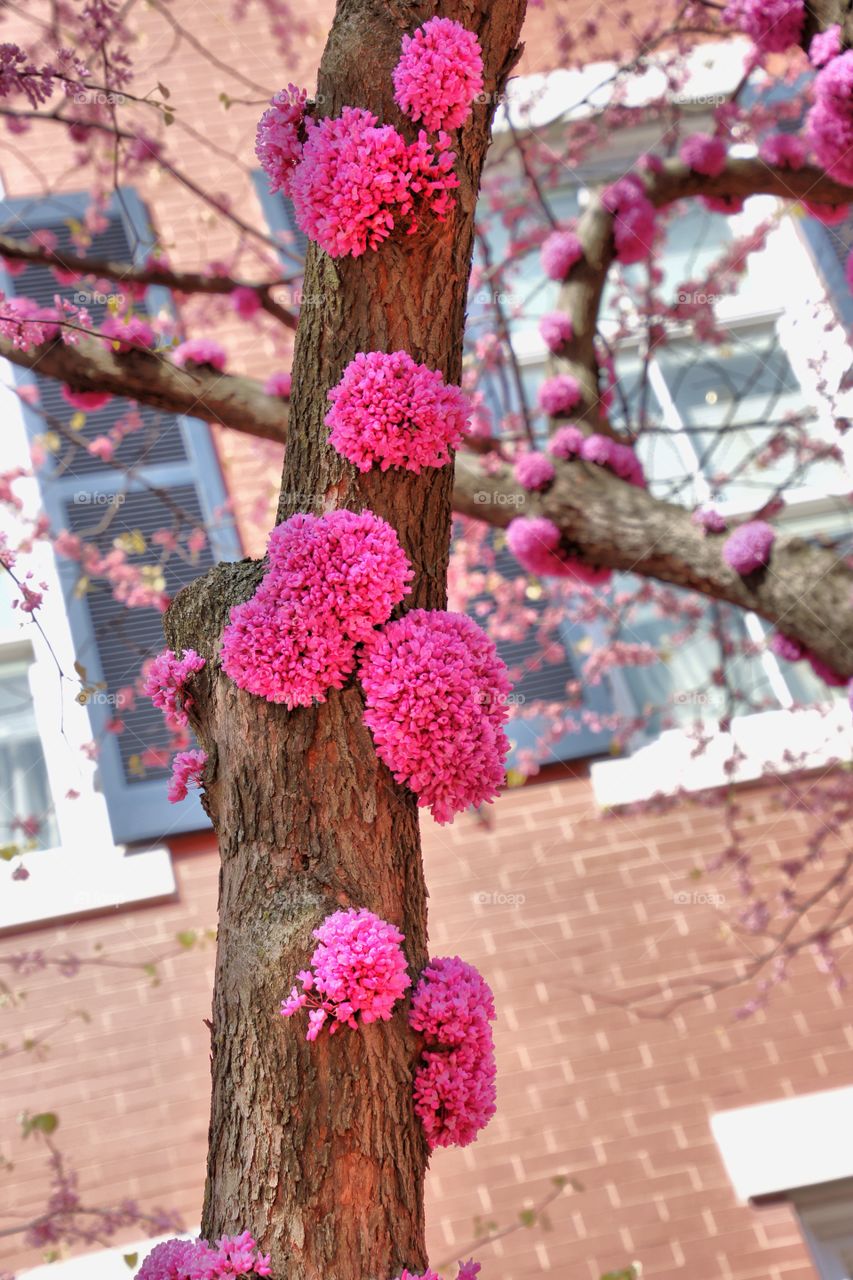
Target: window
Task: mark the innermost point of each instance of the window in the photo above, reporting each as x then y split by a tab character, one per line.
163	483
826	1216
27	815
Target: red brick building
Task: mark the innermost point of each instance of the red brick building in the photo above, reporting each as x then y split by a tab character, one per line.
588	926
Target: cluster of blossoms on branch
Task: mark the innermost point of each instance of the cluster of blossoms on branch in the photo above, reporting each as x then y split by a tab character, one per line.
354	181
358	972
231	1257
467	1271
455	1080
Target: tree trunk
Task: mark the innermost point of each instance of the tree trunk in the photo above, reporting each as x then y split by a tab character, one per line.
316	1148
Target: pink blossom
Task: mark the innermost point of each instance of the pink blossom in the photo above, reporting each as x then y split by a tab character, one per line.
633	218
86	401
102	447
533	471
560	251
773	25
825	45
331	580
722	204
556	330
559	395
387	409
277	142
748	547
279	384
786	647
358	180
435	694
245	301
125	333
783	150
439	74
709	520
455	1081
535	543
200	351
187	768
830	120
704	153
357	971
232	1256
566	442
164	683
831	215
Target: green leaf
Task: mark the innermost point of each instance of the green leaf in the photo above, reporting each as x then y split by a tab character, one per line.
42	1122
187	937
164	92
168	117
131	1259
527	1217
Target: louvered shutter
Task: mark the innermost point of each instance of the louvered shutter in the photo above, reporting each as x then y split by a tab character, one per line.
174	468
536	681
280	216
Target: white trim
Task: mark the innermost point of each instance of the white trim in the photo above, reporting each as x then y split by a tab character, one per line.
106	1264
812	737
795	1142
80	881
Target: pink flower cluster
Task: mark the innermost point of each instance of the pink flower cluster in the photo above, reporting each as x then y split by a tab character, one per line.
633	218
388	409
709	520
784	150
331	580
467	1271
773	25
535	543
278	144
187	768
825	46
455	1079
566	443
358	180
830	120
439	74
125	333
164	684
791	650
559	394
86	401
556	330
279	384
560	251
358	971
748	547
570	442
200	351
436	703
704	153
534	471
233	1256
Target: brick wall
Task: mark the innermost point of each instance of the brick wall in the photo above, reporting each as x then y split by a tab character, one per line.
565	913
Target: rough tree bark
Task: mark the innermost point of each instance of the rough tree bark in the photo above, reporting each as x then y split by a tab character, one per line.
315	1148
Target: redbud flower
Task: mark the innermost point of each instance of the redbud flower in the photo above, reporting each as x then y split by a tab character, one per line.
559	395
825	45
787	647
124	333
784	150
279	384
748	547
357	971
535	543
164	683
533	471
773	25
187	768
556	330
198	351
560	251
277	143
830	120
439	74
704	153
245	301
566	442
387	409
436	703
633	218
87	401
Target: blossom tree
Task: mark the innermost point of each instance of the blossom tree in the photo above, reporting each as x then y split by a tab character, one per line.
331	691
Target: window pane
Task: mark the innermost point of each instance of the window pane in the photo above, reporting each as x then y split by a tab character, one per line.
26	808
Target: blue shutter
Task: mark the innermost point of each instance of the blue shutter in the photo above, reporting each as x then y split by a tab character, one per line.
280	216
830	247
546	682
171	453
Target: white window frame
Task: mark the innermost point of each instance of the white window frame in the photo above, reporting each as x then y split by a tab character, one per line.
86	872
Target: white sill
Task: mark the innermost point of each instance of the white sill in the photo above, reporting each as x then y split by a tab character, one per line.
64	883
778	741
794	1142
106	1264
